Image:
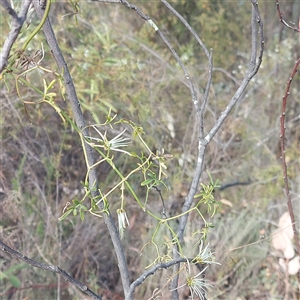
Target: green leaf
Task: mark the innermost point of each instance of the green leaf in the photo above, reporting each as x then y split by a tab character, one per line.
14	281
111	62
51	84
81	213
76	202
146	182
65	215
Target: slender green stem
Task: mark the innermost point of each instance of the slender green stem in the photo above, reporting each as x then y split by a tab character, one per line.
38	28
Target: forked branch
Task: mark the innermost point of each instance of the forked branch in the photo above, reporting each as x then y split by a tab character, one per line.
281	19
254	64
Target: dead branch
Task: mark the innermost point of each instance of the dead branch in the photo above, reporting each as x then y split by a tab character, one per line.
50	268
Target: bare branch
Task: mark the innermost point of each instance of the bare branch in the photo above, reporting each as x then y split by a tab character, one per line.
165	40
206	94
200	111
198	170
152	271
282	134
16	25
252	70
50	268
283	21
6	5
80	122
187	25
283	160
255	62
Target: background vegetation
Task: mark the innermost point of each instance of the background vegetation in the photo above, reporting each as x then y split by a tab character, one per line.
127	70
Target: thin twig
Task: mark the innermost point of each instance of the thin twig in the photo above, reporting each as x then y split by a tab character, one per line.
6	5
283	159
254	64
16	25
50	268
166	41
199	110
283	21
158	190
152	271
